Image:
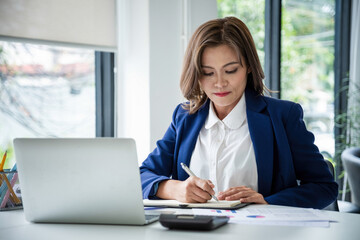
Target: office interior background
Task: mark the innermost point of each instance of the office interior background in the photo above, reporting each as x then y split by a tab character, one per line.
107	68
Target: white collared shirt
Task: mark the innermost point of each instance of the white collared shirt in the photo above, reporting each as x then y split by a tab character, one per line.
224	151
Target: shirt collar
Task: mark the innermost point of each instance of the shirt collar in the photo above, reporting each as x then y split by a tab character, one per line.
233	120
211	119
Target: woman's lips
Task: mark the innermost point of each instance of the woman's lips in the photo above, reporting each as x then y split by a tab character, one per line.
222	94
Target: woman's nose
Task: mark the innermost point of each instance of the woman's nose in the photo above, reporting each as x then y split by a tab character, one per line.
220	81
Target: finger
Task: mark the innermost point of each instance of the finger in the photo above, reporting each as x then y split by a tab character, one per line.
230	192
235	196
236	189
195	192
241	194
205	186
211	184
201	196
256	198
197	199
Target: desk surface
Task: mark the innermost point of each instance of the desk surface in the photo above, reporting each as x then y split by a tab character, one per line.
14	226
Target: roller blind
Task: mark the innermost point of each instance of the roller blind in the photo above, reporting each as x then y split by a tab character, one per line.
89	23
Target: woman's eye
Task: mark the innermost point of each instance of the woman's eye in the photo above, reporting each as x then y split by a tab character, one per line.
208	74
232	71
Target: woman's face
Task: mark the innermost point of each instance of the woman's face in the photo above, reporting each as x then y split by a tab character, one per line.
224	79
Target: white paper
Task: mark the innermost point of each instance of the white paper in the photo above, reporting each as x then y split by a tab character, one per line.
279	223
272	216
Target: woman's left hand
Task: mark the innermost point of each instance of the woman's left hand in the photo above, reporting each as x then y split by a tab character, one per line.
242	193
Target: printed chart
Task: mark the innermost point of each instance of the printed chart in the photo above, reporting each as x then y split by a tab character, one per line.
272	216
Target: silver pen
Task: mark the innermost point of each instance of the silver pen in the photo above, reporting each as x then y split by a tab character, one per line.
188	171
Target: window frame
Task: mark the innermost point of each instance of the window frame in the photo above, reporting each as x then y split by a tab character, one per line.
341	62
273	46
105	94
341	72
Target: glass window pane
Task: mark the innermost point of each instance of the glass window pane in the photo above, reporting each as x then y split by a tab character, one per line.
45	91
252	13
307	60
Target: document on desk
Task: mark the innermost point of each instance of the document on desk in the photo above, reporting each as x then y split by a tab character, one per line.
272	216
210	204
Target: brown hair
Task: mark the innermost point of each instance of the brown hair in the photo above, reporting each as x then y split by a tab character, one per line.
231	32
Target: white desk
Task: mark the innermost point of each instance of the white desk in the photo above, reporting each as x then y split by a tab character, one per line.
14	226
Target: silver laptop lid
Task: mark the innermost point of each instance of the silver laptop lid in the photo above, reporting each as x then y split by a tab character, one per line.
80	180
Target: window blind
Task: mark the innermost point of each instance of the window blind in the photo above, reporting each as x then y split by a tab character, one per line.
89	23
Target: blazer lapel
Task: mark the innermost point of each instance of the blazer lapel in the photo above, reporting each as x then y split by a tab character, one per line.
192	127
262	136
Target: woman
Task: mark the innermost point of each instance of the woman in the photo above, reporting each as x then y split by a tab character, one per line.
240	144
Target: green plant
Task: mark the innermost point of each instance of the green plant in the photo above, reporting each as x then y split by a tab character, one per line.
349	124
349	121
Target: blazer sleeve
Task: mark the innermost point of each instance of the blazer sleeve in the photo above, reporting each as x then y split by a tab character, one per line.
317	188
158	166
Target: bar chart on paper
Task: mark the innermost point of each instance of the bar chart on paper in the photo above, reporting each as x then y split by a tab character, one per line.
272	216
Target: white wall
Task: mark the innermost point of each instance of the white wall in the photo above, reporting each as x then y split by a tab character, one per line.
165	64
133	105
151	40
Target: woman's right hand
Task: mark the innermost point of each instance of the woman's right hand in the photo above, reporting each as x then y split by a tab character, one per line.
191	190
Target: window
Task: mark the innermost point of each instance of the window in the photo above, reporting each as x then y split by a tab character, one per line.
45	91
307	56
252	13
307	64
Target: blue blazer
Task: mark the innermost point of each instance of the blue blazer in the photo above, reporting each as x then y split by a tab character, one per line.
291	171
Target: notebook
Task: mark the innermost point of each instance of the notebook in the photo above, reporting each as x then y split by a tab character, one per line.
210	204
80	181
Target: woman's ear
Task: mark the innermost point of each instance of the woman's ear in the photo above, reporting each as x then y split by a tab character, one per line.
249	70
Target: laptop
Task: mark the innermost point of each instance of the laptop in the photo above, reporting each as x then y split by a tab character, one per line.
64	180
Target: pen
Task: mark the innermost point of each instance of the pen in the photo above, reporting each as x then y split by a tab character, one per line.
188	171
3	162
4	178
